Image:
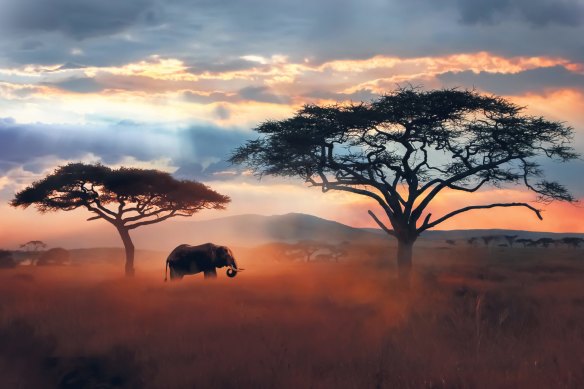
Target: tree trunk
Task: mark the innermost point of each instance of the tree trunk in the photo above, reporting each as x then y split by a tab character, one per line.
404	260
129	247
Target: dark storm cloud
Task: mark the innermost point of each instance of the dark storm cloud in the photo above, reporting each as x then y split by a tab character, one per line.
199	151
31	45
534	80
205	152
536	12
79	19
22	143
212	35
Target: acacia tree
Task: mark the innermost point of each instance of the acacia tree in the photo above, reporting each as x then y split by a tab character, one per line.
34	246
405	148
128	198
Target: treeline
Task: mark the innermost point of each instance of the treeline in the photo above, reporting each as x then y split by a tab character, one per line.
514	241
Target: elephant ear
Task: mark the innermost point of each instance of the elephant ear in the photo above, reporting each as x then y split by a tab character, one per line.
222	252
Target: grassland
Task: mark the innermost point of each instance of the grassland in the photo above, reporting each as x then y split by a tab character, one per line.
473	318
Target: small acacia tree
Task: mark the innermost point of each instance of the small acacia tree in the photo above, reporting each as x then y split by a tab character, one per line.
408	146
128	198
34	246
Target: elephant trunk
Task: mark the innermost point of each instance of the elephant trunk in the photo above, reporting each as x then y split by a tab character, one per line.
233	269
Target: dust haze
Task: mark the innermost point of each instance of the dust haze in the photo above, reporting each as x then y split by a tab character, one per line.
474	317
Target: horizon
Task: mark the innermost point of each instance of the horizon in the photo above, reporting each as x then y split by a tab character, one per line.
104	237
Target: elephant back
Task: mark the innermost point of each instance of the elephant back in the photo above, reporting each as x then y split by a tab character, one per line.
190	257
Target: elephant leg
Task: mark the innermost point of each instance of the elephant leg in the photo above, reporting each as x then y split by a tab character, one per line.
211	273
175	275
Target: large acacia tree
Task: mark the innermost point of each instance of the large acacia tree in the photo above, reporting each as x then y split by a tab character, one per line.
128	198
405	148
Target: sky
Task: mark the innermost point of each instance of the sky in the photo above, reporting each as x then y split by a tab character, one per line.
176	85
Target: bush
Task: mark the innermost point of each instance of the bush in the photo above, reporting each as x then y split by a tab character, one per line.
6	259
56	256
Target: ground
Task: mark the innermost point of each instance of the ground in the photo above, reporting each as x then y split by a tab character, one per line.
472	318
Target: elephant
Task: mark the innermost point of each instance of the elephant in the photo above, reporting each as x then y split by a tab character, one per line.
187	259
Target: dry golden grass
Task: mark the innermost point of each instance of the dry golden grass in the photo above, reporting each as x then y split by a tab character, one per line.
473	318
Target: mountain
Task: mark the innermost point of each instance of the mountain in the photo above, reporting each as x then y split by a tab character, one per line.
253	230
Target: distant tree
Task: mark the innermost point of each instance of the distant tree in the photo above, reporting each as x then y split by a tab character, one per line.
572	241
127	198
545	242
488	239
407	147
524	242
473	241
510	239
54	256
450	242
339	250
323	258
34	246
6	259
308	247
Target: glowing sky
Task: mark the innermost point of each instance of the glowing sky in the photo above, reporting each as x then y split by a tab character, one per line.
177	84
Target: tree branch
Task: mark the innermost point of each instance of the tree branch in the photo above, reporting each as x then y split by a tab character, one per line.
448	182
158	220
426	225
100	213
380	223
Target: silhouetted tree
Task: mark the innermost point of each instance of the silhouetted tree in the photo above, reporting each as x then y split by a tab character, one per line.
308	247
54	256
572	241
450	242
405	148
127	198
473	241
525	242
33	246
487	239
545	242
339	250
510	239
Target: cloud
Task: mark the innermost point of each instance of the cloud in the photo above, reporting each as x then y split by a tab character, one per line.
79	19
262	94
208	146
79	85
219	36
358	95
531	80
538	13
198	152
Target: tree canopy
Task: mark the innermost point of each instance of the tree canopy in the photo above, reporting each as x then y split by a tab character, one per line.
126	197
140	196
407	146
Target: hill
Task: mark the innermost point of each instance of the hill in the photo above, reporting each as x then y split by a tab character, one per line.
254	230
